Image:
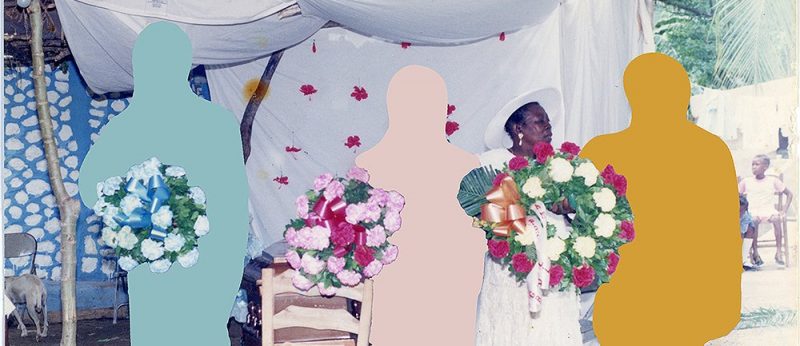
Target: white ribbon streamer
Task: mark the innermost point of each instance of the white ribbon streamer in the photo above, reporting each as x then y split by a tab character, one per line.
538	280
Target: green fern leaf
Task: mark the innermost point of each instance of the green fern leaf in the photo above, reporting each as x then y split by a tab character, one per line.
472	192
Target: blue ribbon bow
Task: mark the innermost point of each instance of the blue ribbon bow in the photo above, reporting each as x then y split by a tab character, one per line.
153	196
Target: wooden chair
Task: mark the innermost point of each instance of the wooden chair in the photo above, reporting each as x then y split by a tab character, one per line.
273	285
784	224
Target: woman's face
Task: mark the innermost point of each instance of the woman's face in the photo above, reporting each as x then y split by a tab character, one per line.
536	127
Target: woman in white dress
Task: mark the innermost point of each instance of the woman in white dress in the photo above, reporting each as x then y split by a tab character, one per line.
503	317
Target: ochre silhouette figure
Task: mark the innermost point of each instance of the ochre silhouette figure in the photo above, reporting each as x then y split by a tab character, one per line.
678	282
426	297
166	120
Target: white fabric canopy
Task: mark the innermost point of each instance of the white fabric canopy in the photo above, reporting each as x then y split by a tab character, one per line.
224	12
581	49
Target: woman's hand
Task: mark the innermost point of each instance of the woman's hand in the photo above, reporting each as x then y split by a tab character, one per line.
562	207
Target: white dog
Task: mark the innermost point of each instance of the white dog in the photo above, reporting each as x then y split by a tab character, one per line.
28	289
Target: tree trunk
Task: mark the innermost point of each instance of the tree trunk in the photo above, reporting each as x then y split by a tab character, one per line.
246	127
68	207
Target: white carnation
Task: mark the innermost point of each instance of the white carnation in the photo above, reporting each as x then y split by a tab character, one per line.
162	218
137	172
201	226
585	246
174	242
189	259
533	187
127	263
605	199
560	170
554	247
108	216
527	237
109	237
126	239
197	194
175	171
589	173
160	266
100	207
152	250
151	167
129	203
604	225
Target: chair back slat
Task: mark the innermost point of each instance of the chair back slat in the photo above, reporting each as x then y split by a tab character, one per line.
321	319
282	283
19	245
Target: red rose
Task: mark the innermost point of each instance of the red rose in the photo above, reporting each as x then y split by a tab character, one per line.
517	163
450	128
583	276
626	231
542	151
364	255
556	274
521	263
498	248
499	178
343	235
570	148
613	260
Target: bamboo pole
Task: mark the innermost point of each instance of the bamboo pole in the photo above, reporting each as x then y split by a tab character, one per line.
246	127
68	207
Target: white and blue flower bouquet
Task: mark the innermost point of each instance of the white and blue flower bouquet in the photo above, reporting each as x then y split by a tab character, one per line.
153	216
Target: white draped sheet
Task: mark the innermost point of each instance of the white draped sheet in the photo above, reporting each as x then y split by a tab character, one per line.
581	48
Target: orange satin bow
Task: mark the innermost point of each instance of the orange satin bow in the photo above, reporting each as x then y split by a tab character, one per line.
503	209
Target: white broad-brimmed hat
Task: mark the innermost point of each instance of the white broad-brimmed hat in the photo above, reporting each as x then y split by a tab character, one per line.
496	137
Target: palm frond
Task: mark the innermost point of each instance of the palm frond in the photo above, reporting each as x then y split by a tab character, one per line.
472	192
755	41
766	317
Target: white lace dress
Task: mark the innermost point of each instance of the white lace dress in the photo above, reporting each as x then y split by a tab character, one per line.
503	318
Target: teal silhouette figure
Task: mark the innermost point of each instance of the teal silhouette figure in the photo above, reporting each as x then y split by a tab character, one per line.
184	306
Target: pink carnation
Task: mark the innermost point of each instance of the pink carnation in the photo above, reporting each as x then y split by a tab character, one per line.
302	206
378	196
301	282
372	213
336	264
396	201
499	179
356	212
626	232
322	181
570	148
373	268
315	238
392	222
556	274
333	190
613	261
326	291
349	277
364	255
291	237
293	258
517	163
359	174
521	263
376	236
311	265
390	254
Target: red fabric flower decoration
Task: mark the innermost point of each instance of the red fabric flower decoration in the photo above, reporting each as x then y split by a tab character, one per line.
517	163
616	180
283	180
498	179
307	89
556	274
451	109
571	148
364	255
292	149
405	45
542	151
359	93
450	128
521	263
343	235
626	231
498	248
613	260
353	141
583	276
502	36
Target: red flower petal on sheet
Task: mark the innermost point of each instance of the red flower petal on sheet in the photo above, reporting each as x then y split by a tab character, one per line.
307	89
405	45
502	36
353	141
283	180
450	128
292	149
313	46
359	93
451	109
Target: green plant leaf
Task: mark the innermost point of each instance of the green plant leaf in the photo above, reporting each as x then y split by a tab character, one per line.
472	192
